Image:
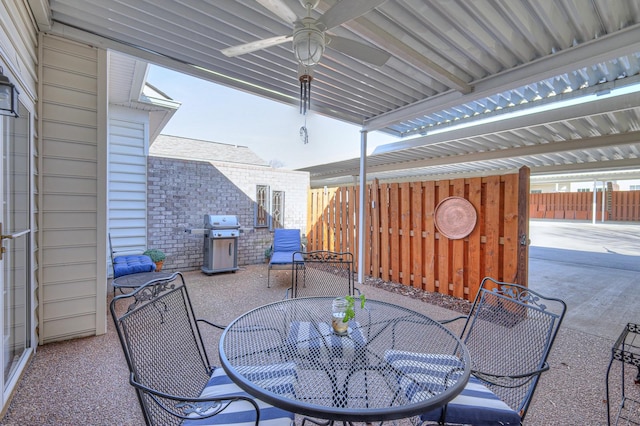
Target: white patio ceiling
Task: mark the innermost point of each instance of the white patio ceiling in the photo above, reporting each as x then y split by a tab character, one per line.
451	61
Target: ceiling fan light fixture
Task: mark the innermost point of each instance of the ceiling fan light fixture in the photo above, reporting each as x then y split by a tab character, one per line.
308	45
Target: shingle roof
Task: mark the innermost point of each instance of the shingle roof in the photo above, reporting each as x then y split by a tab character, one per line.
196	149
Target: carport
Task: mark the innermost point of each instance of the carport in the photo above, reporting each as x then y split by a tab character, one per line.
549	85
445	63
472	88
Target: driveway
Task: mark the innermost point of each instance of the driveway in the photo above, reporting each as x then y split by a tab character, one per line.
593	268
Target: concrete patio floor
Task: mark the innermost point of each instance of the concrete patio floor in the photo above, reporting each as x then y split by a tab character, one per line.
85	381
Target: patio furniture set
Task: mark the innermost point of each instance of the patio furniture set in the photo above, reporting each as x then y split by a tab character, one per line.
286	358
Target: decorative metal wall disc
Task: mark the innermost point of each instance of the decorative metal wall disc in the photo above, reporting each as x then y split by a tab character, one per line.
455	217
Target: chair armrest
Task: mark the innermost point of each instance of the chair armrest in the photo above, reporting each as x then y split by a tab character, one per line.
187	408
221	327
506	380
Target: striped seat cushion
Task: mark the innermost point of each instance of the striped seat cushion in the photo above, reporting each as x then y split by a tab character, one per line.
318	339
475	405
277	378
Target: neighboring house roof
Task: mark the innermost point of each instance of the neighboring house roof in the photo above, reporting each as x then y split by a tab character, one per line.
196	149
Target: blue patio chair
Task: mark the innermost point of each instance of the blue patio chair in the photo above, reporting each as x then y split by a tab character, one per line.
509	333
286	242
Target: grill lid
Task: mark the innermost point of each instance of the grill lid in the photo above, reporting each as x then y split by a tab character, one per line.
219	221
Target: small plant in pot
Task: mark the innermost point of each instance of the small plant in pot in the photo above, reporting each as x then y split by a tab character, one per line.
157	256
342	311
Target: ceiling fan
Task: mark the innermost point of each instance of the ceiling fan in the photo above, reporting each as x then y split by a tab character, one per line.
309	34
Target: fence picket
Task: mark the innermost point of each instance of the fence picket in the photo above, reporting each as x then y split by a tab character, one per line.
402	243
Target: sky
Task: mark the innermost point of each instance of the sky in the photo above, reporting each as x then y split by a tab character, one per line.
271	129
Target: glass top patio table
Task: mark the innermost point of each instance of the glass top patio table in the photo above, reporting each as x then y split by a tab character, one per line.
393	363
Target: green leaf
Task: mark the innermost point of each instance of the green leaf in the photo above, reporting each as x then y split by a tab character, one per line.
350	312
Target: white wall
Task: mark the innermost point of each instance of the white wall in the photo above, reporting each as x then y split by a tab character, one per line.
72	189
127	179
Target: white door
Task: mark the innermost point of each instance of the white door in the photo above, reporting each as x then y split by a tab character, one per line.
15	236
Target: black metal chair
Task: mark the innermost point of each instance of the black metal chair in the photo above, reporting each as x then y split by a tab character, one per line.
170	369
322	273
509	333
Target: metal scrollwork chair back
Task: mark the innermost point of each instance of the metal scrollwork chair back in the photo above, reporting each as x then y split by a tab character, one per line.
323	273
169	366
509	333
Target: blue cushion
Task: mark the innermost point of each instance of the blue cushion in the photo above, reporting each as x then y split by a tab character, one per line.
284	257
133	264
475	405
287	240
312	339
242	413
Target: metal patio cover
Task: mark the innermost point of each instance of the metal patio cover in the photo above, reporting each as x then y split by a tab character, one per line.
451	61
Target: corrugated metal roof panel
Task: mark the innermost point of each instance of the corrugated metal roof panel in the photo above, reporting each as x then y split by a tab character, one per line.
451	62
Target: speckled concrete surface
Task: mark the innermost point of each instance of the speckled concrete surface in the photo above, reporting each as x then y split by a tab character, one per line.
85	381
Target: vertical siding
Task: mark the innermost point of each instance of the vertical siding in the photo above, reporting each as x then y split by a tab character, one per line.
72	284
127	179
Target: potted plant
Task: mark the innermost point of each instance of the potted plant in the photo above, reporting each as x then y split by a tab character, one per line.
343	311
267	254
157	256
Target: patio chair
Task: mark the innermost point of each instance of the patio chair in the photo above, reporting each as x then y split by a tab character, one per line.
129	264
169	366
286	242
322	273
509	333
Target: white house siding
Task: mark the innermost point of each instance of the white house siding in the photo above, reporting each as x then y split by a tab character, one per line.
72	194
128	134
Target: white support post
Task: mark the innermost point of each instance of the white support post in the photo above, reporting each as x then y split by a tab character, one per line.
595	202
604	192
363	187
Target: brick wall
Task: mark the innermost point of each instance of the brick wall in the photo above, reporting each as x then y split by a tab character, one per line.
180	192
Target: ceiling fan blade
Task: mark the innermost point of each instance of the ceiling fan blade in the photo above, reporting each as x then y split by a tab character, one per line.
358	50
255	45
346	10
281	9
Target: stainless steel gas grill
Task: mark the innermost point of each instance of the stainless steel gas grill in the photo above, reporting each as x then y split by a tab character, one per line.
220	243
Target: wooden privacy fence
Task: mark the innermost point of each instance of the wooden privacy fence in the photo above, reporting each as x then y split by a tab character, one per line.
402	243
619	205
